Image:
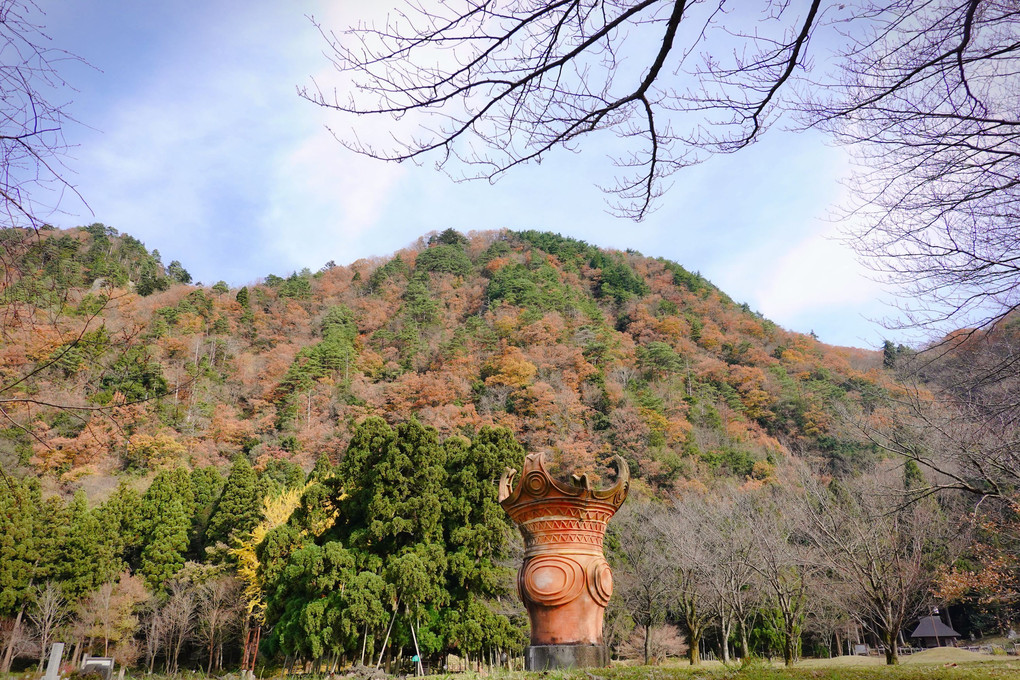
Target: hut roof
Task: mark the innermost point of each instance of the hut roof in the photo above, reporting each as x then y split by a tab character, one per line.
932	626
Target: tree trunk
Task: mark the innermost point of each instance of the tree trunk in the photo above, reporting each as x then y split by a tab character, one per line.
255	651
891	653
694	644
417	652
5	667
386	641
246	634
648	640
725	626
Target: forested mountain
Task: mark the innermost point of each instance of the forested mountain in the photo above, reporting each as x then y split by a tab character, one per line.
579	351
304	468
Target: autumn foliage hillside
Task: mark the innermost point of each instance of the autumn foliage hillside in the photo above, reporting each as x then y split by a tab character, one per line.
582	352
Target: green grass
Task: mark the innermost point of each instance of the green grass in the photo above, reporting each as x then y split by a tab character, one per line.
943	664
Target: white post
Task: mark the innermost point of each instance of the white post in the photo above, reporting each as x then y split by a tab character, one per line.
53	667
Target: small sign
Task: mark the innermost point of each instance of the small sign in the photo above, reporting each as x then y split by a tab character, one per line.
98	664
416	658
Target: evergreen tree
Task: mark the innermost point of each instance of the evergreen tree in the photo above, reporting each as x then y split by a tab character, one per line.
398	490
407	533
207	484
913	477
238	510
176	271
163	554
888	354
477	527
279	476
20	504
121	517
420	307
89	555
21	555
166	518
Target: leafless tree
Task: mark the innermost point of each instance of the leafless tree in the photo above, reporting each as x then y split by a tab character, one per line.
686	529
784	562
179	613
922	92
885	552
666	642
644	572
32	144
494	85
99	605
155	629
926	99
32	174
830	616
733	584
16	642
49	611
219	609
957	415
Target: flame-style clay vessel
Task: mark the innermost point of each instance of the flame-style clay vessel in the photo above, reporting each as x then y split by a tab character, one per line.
565	581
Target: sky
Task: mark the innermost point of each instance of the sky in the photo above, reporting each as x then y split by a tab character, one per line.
192	138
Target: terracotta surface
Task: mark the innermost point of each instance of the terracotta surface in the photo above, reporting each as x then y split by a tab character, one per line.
565	581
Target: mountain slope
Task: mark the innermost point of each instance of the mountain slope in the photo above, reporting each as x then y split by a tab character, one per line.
583	352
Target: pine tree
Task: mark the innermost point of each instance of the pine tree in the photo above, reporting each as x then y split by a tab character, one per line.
913	477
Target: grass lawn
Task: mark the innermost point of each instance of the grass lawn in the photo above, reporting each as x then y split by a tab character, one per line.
939	664
944	663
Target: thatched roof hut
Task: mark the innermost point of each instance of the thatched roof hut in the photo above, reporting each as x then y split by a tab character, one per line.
931	632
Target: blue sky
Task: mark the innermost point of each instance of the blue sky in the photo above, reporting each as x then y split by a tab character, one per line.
193	139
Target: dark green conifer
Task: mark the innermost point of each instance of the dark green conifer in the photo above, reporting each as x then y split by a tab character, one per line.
239	508
20	504
121	517
166	518
163	554
207	484
89	554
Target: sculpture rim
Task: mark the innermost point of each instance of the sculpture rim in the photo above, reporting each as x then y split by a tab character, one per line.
537	483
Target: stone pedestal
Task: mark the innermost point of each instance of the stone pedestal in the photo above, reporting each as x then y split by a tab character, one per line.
552	657
564	581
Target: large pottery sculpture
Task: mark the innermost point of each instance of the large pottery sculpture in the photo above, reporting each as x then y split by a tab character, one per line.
565	581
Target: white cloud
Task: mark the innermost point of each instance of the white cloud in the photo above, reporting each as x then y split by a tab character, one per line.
817	273
208	154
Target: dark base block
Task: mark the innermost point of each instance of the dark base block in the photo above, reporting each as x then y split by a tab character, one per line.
552	657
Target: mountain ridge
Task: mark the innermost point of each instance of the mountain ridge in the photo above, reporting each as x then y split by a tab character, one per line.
581	351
